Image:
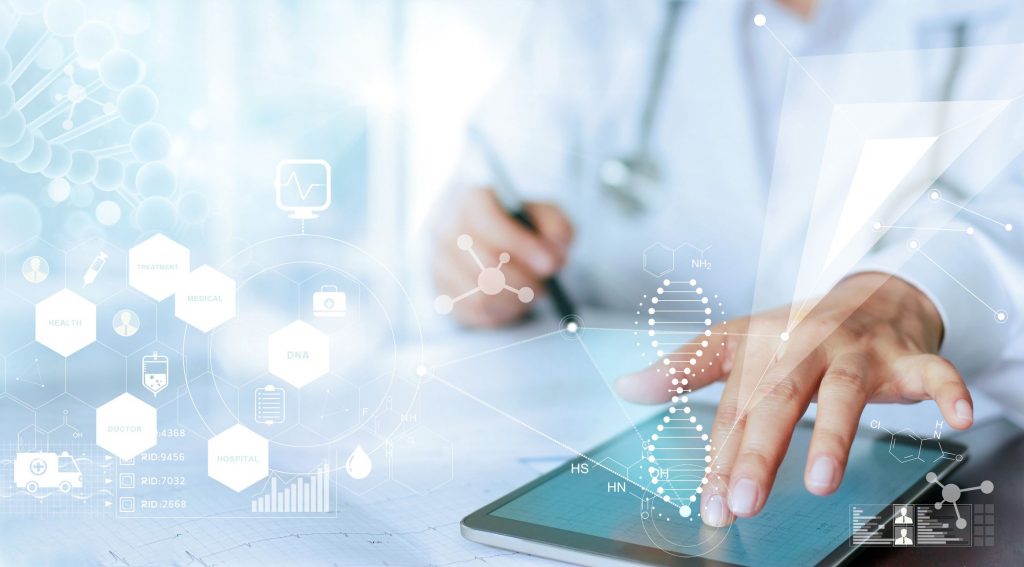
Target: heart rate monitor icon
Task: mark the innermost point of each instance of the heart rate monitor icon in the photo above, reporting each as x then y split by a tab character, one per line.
303	187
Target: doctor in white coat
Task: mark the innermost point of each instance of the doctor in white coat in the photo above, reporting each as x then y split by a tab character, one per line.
631	123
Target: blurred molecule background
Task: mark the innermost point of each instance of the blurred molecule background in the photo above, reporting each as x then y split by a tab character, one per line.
82	151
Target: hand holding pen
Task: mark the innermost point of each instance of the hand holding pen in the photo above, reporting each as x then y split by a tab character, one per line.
536	254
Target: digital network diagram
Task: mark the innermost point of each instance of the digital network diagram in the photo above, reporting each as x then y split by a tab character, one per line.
245	380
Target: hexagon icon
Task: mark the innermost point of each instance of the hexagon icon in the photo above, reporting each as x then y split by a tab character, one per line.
126	426
299	354
205	299
157	266
65	322
659	259
238	458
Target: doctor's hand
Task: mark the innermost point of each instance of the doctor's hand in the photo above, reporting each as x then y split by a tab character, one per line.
873	338
535	257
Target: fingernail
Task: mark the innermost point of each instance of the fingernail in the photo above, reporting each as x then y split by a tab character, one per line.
963	410
823	472
542	263
727	362
714	511
743	497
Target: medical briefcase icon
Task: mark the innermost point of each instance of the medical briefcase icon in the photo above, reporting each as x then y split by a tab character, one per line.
329	302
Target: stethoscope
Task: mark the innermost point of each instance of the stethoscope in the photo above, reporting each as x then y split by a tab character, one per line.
634	180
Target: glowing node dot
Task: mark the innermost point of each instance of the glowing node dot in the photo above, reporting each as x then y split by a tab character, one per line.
934	195
421	370
693	282
876	225
704	300
914	245
572	327
650	321
654	300
784	336
707	459
661	290
1001	316
969	230
699	290
760	20
651	311
1008	227
685	511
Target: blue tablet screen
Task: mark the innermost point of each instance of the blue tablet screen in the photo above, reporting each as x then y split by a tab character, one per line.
611	496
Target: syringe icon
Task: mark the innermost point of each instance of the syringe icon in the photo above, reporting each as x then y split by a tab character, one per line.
94	268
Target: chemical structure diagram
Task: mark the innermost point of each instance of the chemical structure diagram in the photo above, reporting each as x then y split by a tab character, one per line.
659	259
951	494
491	281
905	445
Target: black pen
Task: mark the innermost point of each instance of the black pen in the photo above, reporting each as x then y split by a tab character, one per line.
516	209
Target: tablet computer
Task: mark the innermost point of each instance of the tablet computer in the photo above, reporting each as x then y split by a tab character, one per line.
606	508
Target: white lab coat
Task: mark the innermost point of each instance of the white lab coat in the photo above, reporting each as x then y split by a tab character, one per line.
573	98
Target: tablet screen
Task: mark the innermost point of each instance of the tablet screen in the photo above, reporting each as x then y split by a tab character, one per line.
795	528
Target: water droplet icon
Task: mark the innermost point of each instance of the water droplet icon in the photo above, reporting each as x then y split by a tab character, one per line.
358	465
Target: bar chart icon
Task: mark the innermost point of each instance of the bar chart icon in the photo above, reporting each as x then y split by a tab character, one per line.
307	494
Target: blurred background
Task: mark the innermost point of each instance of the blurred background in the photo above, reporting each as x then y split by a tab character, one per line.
196	103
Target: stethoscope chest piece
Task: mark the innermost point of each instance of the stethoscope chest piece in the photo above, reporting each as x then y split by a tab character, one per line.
632	182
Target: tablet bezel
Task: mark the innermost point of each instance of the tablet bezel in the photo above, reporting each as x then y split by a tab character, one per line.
554	543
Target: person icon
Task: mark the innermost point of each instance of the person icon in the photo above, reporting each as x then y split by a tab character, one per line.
35	269
126	323
903	539
903	518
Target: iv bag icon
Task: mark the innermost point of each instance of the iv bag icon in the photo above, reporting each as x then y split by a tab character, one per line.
154	372
358	465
